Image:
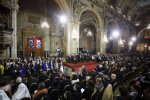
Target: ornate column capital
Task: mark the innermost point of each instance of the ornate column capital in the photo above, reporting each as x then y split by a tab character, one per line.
14	5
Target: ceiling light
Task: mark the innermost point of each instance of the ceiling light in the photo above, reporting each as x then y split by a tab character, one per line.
115	34
63	19
130	43
89	34
133	39
145	46
148	27
137	23
45	24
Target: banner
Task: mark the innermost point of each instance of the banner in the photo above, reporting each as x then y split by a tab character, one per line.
37	42
30	42
34	42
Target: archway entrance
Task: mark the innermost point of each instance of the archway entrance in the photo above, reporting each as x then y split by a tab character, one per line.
88	32
110	28
117	34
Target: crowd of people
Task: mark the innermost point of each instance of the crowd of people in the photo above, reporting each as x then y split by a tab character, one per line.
87	57
45	79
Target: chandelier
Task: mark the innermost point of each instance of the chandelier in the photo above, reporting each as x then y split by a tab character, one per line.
45	24
88	32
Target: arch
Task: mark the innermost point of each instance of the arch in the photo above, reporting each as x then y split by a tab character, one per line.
99	19
114	21
113	43
99	25
63	5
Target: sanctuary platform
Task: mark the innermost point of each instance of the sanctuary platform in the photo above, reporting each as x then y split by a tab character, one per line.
89	65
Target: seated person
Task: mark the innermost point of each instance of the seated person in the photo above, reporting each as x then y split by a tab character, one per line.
113	79
22	90
123	94
3	95
41	90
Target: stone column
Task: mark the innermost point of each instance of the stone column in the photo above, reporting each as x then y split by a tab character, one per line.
100	43
103	41
15	7
75	37
46	40
68	37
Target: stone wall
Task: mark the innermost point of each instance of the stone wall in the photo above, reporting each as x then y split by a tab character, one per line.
52	36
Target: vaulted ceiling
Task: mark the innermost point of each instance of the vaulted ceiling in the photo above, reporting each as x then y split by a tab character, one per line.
51	7
137	10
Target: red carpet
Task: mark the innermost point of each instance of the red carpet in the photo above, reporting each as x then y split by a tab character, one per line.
88	65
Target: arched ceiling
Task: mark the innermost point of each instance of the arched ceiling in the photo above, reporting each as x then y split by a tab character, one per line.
134	10
52	8
88	17
137	10
88	21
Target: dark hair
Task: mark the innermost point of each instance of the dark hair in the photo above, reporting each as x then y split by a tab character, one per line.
78	88
25	98
74	77
69	95
55	82
41	86
91	83
123	91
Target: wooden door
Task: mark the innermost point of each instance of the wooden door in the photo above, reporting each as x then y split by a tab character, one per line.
36	52
32	33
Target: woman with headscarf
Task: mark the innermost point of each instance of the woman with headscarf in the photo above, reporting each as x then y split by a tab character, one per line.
21	92
3	95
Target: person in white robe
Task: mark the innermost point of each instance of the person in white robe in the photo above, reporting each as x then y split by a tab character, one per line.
21	92
3	95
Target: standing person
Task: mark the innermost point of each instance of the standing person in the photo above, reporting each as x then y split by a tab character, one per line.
32	54
46	66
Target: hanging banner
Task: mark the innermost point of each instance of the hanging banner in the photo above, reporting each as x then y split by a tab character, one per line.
34	42
38	42
30	42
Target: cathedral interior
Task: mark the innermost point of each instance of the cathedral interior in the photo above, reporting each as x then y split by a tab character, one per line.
105	26
74	49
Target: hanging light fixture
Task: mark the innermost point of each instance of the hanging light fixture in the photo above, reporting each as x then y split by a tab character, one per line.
89	33
45	24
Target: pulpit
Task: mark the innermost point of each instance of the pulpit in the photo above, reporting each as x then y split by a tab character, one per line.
5	41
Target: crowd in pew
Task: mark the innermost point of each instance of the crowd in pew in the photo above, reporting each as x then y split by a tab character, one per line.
42	78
